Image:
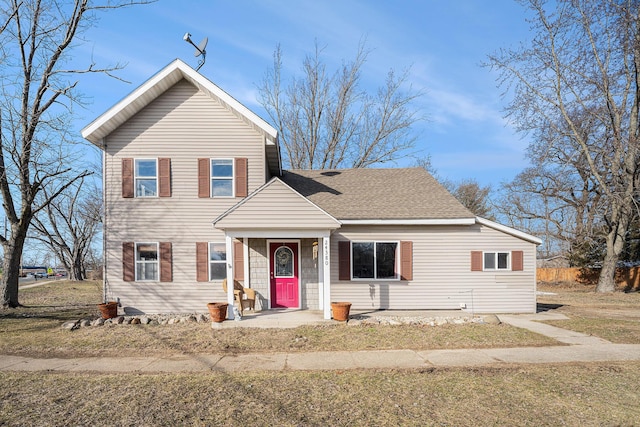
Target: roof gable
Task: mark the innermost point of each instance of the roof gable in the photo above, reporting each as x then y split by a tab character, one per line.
275	205
176	71
378	194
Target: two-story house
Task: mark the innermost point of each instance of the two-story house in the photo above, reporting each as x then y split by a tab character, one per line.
194	193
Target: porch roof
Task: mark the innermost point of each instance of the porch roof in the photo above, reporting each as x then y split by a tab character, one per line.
276	206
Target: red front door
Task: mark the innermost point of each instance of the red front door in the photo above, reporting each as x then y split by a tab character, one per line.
283	260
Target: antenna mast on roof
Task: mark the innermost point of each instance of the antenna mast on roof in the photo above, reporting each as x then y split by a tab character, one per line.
200	49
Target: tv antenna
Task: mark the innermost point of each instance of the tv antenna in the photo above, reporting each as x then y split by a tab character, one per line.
200	49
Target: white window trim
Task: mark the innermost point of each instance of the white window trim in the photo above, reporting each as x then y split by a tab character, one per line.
232	178
209	261
396	267
136	261
508	268
136	177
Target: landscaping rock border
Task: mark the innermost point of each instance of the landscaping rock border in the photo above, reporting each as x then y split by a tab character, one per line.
354	320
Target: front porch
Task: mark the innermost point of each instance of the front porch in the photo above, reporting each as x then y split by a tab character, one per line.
296	286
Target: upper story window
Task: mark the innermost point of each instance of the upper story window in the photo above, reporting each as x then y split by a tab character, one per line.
374	260
222	178
146	177
496	261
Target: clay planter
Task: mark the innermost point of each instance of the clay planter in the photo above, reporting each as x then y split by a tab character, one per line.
108	310
218	311
340	311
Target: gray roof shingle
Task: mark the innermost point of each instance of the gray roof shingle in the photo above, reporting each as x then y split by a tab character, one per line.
357	194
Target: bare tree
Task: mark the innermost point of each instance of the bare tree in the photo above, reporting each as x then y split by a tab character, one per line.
68	226
37	93
327	121
582	64
473	196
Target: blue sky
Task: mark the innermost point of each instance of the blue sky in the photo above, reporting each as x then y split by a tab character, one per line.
443	42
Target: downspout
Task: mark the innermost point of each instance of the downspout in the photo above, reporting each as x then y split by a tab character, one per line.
104	222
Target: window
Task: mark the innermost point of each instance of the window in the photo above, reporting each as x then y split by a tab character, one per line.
222	178
374	260
146	261
217	261
146	177
496	261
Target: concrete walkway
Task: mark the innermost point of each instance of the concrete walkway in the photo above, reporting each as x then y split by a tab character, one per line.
580	348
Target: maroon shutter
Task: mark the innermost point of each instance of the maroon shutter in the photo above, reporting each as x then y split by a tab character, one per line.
128	262
476	260
166	260
238	260
406	260
202	262
517	260
344	260
127	178
204	178
164	177
242	177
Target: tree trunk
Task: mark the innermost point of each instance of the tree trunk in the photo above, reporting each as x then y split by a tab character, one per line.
11	268
76	272
615	245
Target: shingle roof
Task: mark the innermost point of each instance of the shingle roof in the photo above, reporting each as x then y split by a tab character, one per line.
380	194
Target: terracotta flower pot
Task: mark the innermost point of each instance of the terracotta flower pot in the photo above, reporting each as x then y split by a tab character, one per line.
108	310
218	311
340	311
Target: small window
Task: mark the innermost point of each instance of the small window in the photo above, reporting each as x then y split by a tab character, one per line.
146	177
496	261
374	260
217	261
222	178
146	262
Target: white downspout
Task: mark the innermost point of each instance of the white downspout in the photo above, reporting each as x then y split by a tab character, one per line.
326	271
229	244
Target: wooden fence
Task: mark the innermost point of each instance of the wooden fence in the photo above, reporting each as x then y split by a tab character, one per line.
627	278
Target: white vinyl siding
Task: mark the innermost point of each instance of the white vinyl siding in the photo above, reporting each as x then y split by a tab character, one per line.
182	124
442	276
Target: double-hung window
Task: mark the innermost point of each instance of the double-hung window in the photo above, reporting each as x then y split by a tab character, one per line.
147	262
222	178
146	177
217	261
496	261
374	260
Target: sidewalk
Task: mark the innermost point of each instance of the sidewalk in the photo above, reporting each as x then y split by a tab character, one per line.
581	348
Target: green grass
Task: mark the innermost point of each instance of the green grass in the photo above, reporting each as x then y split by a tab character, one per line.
571	394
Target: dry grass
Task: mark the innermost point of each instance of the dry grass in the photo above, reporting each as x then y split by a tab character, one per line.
35	331
571	394
592	394
611	316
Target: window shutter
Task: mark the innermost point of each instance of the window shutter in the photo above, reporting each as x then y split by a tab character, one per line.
127	178
344	260
204	178
242	177
166	260
517	261
406	260
238	260
202	262
128	262
476	260
164	177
